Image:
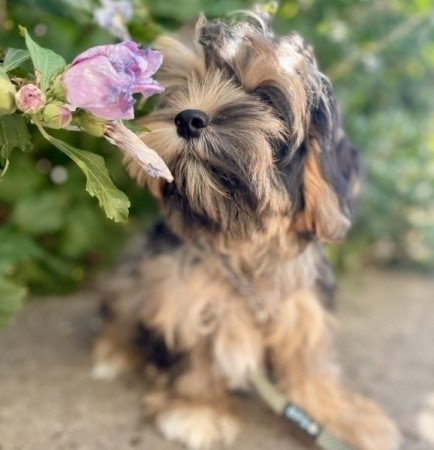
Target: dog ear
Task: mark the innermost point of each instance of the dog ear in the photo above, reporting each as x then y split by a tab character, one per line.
182	54
330	173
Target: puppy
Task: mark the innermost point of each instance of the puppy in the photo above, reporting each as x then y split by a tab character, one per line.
234	281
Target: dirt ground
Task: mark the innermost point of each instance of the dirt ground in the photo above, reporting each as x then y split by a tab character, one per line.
48	399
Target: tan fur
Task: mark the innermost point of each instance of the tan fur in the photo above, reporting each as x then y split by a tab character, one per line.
306	372
322	214
240	293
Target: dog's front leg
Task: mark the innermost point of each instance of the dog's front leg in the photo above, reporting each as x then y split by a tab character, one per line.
307	374
194	407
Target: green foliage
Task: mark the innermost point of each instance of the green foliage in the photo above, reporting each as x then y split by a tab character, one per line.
45	61
13	134
51	229
46	206
98	183
14	58
14	249
380	56
3	74
11	296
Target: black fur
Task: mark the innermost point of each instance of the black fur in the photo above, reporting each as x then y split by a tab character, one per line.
175	202
161	240
291	175
154	349
340	162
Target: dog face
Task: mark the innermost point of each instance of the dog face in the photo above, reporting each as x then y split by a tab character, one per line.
249	128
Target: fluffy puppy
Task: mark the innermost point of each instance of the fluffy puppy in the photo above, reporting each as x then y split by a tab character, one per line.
234	281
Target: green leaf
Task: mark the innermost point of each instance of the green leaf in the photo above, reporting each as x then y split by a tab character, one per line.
22	180
13	133
3	74
11	299
14	58
82	232
4	166
114	202
16	248
46	62
42	212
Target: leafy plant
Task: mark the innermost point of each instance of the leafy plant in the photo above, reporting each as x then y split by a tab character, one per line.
52	97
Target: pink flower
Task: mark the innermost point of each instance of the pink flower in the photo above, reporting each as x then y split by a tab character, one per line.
103	79
112	15
30	99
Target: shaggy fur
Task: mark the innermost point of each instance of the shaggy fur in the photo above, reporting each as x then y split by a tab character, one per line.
235	280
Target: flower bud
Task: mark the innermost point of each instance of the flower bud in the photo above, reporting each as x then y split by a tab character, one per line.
7	94
30	99
56	115
89	123
58	90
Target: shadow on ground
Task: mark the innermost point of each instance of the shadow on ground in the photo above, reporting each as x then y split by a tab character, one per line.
48	399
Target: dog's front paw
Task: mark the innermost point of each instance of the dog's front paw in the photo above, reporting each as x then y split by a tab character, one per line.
112	359
106	371
196	425
365	426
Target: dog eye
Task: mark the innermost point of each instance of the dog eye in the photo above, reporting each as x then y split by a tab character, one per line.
274	97
265	98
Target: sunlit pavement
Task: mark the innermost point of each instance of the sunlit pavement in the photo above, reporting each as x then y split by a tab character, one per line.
48	399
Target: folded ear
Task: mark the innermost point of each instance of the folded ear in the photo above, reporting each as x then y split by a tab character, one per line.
330	174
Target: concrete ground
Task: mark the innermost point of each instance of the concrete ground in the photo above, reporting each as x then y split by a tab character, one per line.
48	399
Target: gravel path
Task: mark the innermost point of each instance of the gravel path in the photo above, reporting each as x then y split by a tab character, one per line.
49	401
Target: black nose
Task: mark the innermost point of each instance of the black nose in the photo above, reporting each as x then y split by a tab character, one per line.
190	122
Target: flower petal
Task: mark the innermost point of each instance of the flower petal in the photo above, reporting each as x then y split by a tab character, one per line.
134	149
102	79
120	55
94	85
147	87
154	60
